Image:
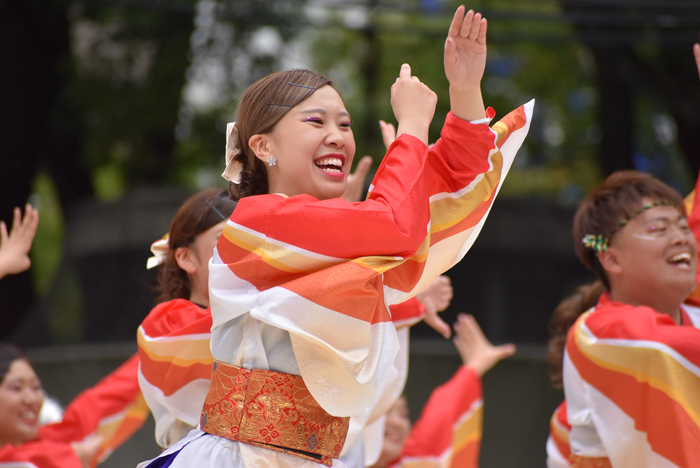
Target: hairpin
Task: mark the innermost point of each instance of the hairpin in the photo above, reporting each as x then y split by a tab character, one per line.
217	211
597	243
301	86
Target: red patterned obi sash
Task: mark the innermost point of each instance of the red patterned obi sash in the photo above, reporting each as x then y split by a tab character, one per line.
272	410
588	462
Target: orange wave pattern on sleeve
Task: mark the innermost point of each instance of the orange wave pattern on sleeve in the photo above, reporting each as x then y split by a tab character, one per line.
171	372
662	407
560	430
448	432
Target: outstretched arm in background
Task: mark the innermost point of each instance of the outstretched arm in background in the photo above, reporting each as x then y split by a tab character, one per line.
450	426
14	248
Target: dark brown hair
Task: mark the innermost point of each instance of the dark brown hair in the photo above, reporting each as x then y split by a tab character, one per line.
261	106
563	319
8	354
200	212
618	196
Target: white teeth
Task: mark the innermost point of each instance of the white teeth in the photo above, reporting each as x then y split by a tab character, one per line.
329	162
682	257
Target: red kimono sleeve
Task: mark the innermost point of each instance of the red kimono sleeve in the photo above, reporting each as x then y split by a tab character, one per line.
114	409
450	426
692	205
407	313
40	454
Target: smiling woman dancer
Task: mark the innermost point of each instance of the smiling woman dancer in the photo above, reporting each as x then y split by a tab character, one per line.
300	279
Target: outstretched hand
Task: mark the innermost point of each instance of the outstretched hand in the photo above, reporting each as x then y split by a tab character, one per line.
474	348
435	299
465	61
355	185
14	247
465	49
88	449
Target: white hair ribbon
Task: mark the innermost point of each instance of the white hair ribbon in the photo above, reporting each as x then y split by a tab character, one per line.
160	252
234	166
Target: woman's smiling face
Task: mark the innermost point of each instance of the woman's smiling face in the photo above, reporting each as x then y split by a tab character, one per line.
21	399
313	145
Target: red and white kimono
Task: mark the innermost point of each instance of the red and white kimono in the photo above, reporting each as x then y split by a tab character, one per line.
632	386
175	368
114	409
448	432
558	444
302	286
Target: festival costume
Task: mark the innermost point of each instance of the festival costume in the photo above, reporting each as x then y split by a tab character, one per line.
632	387
114	409
558	444
300	287
448	432
175	368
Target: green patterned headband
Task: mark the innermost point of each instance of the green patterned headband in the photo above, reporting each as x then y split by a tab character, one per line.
600	242
649	206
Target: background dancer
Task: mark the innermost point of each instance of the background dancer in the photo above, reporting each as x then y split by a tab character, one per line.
448	432
300	279
94	424
174	338
624	356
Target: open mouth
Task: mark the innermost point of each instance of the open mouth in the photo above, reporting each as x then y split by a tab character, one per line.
681	260
331	165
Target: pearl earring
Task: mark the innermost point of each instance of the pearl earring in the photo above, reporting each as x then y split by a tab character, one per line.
271	161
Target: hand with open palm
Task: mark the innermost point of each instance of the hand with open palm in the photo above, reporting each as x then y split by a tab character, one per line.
465	61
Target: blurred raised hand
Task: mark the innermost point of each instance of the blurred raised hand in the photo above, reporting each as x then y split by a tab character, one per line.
474	348
696	52
388	133
15	246
355	185
435	299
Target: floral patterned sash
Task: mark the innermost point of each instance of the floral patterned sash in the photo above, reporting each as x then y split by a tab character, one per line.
271	410
588	462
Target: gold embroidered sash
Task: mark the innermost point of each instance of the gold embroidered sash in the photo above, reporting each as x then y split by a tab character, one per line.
271	410
578	461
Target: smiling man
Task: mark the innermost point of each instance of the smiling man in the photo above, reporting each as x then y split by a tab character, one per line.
632	363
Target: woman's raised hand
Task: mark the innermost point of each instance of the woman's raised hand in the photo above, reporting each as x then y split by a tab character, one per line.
413	104
696	52
14	247
465	61
475	349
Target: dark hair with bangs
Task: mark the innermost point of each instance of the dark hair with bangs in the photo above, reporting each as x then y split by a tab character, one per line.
617	197
260	108
200	212
8	354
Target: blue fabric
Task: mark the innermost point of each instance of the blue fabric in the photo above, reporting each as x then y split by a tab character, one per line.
164	461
